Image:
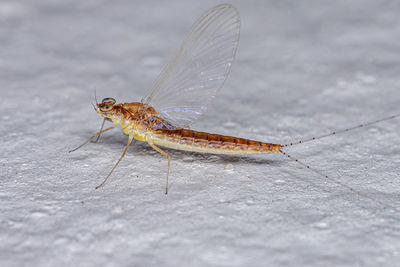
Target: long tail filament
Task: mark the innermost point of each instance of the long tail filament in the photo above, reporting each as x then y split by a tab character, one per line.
343	130
336	181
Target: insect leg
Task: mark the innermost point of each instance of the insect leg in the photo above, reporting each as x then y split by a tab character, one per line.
93	136
169	161
123	154
101	129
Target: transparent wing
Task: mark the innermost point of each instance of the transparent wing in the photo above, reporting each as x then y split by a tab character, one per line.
191	80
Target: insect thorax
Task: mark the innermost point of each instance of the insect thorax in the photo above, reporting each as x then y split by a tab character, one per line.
138	120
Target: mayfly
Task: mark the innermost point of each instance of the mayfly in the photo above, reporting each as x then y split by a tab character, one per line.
182	92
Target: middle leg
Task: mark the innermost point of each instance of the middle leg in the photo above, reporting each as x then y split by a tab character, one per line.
123	154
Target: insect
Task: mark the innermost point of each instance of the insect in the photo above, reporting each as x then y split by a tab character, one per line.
182	92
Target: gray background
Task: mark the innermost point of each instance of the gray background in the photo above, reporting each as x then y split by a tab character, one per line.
303	68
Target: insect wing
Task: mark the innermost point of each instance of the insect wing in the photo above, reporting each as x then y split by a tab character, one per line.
191	80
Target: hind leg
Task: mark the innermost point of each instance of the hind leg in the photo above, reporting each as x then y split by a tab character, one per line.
169	162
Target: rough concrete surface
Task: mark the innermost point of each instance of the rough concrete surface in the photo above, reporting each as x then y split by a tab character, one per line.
303	68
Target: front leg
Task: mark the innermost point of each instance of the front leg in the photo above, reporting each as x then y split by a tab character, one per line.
93	136
169	161
101	129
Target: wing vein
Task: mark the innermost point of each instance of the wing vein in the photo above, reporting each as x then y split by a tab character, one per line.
189	83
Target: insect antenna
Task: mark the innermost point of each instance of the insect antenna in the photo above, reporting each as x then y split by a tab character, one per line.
343	130
361	194
95	96
102	125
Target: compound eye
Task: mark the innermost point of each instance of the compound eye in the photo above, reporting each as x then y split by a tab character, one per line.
108	101
106	108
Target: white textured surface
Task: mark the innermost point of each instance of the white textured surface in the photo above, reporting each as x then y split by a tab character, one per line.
302	69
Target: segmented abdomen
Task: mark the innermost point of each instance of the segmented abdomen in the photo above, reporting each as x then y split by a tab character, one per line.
189	140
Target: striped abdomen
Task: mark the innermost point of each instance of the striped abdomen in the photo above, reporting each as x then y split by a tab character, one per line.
189	140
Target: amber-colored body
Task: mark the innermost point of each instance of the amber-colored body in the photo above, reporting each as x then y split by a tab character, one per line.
142	123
